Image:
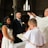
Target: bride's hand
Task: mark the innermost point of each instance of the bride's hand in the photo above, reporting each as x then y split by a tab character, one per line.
12	39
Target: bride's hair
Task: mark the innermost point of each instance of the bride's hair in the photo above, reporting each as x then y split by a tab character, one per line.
5	23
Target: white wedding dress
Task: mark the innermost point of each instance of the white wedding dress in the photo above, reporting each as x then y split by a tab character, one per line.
6	43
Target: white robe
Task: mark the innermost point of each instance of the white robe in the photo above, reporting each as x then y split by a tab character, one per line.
34	38
43	25
41	22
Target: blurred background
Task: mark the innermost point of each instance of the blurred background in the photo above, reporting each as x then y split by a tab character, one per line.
9	7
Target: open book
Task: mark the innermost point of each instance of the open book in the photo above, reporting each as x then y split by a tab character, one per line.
20	36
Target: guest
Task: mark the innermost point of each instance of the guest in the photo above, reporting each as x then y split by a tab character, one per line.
18	27
25	19
7	39
0	37
34	38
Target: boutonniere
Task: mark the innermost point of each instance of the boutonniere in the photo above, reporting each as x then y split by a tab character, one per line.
22	23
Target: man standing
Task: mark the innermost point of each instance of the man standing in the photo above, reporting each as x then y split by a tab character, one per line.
42	23
18	27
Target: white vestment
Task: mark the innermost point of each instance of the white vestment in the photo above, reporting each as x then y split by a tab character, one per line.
34	38
43	25
42	22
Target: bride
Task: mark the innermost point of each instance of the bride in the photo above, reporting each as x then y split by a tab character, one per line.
7	40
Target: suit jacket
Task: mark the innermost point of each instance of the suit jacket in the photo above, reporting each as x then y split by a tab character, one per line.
17	29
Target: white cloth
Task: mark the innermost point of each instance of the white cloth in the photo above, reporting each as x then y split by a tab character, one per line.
41	22
43	25
6	43
35	37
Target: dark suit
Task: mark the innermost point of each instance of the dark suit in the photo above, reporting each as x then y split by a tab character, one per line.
17	29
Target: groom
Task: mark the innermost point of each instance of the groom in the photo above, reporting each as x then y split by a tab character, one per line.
18	27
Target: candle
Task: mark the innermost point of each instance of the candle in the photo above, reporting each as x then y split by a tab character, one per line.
26	7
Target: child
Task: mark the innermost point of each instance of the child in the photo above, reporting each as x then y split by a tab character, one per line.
33	37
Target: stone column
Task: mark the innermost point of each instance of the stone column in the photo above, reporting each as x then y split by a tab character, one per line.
14	6
0	2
